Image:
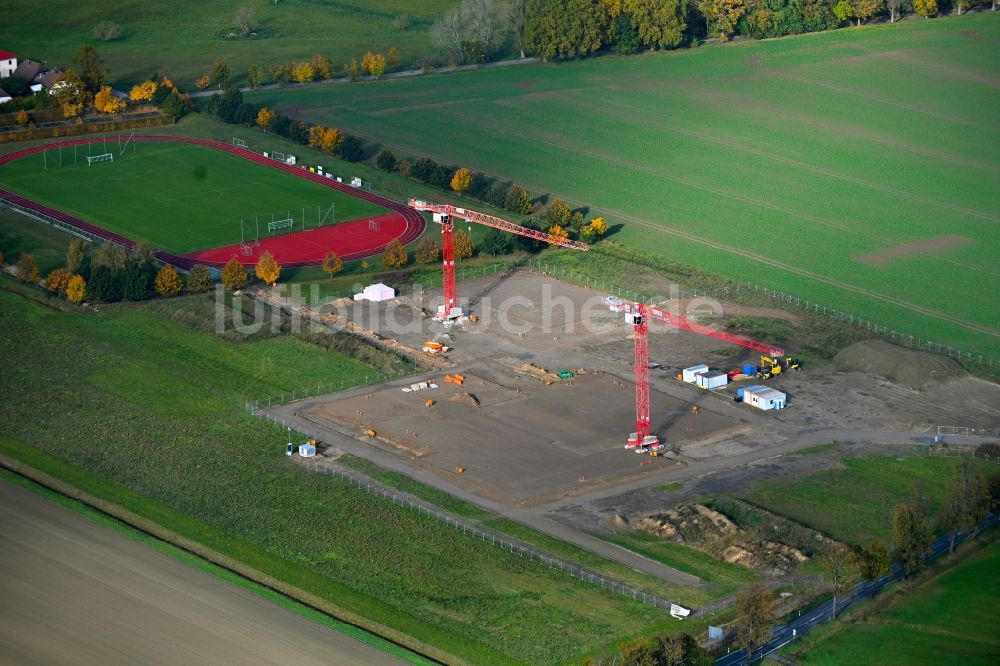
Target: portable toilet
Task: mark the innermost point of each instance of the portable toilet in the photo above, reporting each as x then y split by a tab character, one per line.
307	450
689	374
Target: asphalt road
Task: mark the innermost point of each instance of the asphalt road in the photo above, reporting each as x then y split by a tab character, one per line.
786	633
75	592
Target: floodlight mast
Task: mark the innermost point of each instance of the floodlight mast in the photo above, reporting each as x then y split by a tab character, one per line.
443	214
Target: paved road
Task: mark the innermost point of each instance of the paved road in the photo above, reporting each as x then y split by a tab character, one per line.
786	633
73	591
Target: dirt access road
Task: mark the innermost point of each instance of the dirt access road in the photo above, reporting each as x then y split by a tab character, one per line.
73	591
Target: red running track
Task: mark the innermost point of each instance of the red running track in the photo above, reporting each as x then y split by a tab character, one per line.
303	248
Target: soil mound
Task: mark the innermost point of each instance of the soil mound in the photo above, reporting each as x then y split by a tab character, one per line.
912	369
469	399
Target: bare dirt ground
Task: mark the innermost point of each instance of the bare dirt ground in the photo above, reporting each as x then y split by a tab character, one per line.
75	592
552	456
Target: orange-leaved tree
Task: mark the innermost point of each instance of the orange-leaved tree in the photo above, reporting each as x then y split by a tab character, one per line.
57	280
265	117
203	81
599	225
76	289
557	233
463	245
168	282
106	102
143	92
27	268
233	275
461	180
395	254
302	72
332	138
332	264
267	268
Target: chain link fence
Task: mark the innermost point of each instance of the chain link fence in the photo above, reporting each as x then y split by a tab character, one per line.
257	406
51	221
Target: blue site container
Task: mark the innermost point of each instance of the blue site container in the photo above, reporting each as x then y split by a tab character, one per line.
749	369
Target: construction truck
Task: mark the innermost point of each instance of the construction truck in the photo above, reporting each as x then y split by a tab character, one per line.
769	367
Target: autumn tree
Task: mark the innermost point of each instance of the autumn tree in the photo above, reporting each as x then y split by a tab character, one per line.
518	201
143	92
76	289
428	251
463	245
106	102
395	255
233	275
220	72
926	8
392	60
756	615
353	69
969	501
599	225
168	282
873	561
638	652
21	117
557	233
253	76
199	279
564	28
27	268
74	255
660	23
461	180
558	213
303	72
866	9
265	117
323	66
70	94
332	264
910	536
93	73
725	14
57	280
332	139
203	81
267	268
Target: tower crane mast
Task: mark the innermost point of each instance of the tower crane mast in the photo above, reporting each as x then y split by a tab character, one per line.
443	214
639	315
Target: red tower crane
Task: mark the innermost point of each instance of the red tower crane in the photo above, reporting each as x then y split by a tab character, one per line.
443	214
639	315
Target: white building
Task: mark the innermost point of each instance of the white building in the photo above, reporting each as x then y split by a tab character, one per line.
307	450
690	374
8	63
376	292
711	380
763	397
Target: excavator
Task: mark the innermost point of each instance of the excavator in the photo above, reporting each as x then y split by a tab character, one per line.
770	366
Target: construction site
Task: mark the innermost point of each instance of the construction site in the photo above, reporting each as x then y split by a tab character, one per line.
542	391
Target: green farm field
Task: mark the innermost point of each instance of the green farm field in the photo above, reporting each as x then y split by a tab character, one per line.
950	619
143	407
855	168
178	197
852	504
184	37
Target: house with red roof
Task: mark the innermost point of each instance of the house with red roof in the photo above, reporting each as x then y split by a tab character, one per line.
8	63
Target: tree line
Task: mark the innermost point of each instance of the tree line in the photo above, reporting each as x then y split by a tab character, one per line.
482	30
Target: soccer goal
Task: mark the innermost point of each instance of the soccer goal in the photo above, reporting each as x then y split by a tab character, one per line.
106	157
125	142
240	143
278	225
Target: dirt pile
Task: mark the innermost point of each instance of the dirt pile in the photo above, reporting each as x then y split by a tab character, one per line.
904	367
469	399
713	532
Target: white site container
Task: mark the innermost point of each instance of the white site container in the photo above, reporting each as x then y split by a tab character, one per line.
307	450
379	292
764	397
711	380
689	374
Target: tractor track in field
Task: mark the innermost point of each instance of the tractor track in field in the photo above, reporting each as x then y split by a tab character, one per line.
833	282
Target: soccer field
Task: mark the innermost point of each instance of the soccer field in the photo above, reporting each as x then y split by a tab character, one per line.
179	197
856	168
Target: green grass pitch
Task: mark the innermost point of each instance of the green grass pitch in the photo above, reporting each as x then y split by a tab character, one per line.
856	168
179	197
